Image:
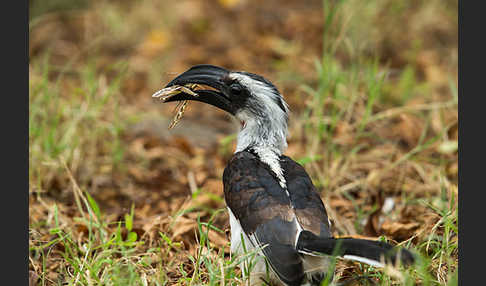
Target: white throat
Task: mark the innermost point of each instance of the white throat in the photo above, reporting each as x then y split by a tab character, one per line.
261	134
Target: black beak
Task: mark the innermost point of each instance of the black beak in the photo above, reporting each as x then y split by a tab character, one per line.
206	75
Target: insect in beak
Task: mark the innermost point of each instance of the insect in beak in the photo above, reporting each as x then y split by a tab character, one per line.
168	92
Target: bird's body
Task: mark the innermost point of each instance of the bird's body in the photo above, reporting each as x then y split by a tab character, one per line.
273	205
272	215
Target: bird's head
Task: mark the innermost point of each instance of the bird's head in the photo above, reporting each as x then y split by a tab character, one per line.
252	99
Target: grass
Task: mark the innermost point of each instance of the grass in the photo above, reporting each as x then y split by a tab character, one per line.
368	129
109	252
73	123
353	96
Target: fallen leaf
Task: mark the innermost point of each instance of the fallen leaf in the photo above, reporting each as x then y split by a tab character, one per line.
399	231
183	144
409	128
182	225
216	238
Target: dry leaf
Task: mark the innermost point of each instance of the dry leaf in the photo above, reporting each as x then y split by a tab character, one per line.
400	231
183	144
337	203
182	225
409	128
216	238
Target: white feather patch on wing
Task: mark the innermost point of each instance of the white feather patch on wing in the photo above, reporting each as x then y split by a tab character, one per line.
317	254
236	234
258	268
364	260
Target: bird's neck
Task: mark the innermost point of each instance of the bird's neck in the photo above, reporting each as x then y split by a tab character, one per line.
265	133
267	143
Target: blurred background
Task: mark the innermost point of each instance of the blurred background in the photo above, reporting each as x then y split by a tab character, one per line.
117	198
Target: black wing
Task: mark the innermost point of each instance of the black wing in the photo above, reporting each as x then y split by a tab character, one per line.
306	201
263	208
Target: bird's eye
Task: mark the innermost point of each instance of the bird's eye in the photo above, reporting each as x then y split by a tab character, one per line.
235	88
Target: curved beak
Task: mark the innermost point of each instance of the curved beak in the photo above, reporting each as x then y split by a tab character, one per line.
206	75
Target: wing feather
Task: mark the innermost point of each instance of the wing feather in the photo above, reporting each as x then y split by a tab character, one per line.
274	216
263	208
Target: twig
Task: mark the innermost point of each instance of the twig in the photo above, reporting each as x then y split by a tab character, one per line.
192	182
79	194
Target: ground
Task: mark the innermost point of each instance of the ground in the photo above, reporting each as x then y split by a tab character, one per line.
116	198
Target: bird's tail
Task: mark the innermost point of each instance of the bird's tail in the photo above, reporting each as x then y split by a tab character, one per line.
362	250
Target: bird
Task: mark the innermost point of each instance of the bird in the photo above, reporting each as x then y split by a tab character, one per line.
275	211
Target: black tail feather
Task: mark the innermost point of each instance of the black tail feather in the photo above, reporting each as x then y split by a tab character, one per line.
368	249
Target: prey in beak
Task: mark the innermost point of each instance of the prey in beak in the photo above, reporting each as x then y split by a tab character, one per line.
190	86
166	93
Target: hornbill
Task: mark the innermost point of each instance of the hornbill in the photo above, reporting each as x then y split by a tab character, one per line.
273	205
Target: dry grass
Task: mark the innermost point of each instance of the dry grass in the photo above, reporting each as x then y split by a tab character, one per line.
117	199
